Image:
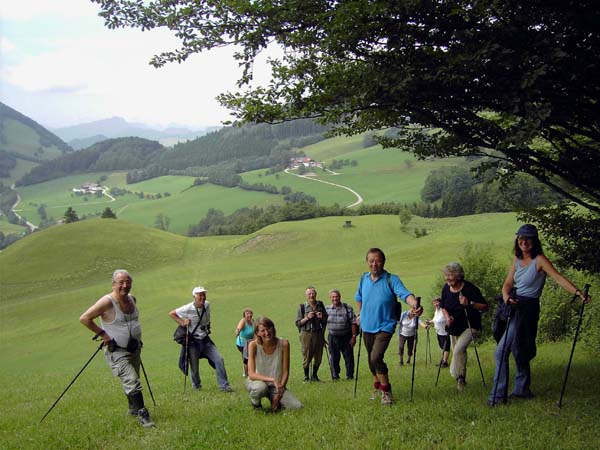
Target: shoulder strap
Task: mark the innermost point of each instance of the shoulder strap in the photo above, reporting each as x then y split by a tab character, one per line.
200	316
345	305
302	310
389	283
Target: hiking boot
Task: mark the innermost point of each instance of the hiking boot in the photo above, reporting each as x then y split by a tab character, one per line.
306	379
315	378
227	389
375	394
443	364
255	406
386	398
526	396
401	363
145	420
461	384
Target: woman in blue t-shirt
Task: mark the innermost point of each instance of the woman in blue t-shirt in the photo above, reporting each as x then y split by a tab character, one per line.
245	333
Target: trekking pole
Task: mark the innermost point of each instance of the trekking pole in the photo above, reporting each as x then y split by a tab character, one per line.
585	296
147	382
185	364
475	348
412	384
512	294
357	360
427	348
73	381
441	361
328	359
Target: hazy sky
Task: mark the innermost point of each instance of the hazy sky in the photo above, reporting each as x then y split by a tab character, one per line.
60	66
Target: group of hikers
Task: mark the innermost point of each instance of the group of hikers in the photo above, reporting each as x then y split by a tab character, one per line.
266	357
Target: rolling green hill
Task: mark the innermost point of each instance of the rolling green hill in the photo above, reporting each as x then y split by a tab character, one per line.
27	141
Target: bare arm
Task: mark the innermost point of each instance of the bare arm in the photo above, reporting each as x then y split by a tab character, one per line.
92	313
545	265
285	370
240	326
179	320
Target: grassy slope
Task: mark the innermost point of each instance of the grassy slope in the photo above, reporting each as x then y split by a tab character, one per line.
24	140
50	277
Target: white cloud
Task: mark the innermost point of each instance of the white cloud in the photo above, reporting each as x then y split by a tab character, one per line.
90	72
23	10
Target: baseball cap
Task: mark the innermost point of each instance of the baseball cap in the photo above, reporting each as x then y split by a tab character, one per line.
198	289
527	230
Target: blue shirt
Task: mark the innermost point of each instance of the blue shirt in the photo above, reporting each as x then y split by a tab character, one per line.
378	301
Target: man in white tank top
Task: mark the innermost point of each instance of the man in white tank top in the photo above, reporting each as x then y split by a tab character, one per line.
121	333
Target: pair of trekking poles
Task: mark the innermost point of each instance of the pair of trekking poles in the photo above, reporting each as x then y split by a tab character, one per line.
81	371
412	384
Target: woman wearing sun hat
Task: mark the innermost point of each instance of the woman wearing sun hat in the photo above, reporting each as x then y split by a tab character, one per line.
522	290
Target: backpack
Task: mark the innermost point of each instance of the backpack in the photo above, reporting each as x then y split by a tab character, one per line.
397	305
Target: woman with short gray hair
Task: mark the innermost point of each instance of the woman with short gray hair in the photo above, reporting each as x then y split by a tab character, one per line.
462	305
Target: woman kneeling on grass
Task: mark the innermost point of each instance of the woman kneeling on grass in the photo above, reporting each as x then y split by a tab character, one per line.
269	368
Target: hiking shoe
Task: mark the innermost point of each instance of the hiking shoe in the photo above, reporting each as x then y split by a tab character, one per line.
133	412
306	379
315	378
401	363
145	420
386	398
227	389
196	388
350	377
442	364
255	406
375	394
461	384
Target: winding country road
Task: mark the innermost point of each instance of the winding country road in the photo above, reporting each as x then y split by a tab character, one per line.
359	199
32	227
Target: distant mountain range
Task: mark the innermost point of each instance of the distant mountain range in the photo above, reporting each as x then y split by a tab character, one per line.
85	134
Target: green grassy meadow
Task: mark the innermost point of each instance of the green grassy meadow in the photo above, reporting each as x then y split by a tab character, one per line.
50	277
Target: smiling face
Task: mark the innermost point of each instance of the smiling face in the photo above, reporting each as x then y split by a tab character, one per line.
375	261
121	284
452	280
266	334
335	298
525	243
199	299
311	294
248	315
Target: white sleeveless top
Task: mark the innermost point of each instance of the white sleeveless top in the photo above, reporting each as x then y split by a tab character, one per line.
270	365
124	325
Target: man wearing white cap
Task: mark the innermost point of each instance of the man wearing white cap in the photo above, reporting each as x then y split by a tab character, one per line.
196	316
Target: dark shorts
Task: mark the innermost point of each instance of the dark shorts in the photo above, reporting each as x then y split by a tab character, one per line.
444	342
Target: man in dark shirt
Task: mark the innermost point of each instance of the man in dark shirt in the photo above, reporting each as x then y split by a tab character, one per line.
311	321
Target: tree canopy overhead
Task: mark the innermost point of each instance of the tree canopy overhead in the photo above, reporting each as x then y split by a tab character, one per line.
511	80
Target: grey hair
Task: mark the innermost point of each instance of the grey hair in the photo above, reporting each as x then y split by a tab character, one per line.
336	291
310	287
455	268
119	272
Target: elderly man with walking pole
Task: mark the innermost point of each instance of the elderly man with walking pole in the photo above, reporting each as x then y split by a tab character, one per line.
121	335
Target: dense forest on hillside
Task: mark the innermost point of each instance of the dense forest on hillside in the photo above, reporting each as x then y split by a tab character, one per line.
47	139
112	154
231	149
